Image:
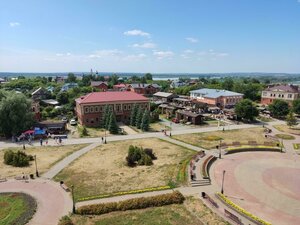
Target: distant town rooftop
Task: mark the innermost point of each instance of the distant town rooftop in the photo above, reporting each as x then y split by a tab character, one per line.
215	93
111	96
283	88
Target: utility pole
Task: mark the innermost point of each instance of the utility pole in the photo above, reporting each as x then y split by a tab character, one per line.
36	170
222	189
73	200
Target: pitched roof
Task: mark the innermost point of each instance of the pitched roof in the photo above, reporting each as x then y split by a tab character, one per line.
215	93
135	85
284	88
111	96
97	83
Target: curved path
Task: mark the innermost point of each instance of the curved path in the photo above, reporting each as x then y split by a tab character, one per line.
52	201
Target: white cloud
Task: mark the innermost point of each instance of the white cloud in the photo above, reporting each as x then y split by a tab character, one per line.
14	24
191	39
188	51
136	33
163	54
144	45
134	57
63	54
185	56
213	53
105	53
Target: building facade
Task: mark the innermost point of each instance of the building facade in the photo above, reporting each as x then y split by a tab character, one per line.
216	97
99	85
144	89
90	108
286	92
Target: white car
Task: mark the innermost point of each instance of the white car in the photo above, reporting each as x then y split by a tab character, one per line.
73	122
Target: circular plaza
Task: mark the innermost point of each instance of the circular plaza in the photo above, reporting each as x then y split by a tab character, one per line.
266	184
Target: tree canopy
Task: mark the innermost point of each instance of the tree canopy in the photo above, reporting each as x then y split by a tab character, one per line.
296	106
246	109
279	108
16	114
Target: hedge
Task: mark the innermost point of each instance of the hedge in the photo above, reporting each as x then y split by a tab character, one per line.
240	210
135	203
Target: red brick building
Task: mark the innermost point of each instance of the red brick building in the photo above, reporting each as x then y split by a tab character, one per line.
100	85
89	108
284	92
144	89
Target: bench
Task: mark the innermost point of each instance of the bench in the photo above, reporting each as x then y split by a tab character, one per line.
236	143
233	217
65	187
3	179
211	201
205	166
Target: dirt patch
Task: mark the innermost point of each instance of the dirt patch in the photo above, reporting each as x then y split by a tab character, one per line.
46	157
104	169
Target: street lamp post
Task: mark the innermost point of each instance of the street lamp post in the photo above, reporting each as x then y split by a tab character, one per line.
222	189
73	200
36	170
105	136
220	149
170	128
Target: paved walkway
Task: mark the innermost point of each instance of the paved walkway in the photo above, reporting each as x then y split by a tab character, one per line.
52	201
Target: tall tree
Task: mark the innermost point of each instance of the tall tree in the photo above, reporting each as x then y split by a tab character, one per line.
246	109
148	76
104	119
279	108
145	121
113	126
71	78
139	117
16	114
133	115
291	119
296	106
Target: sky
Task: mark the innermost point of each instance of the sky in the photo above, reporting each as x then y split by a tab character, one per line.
156	36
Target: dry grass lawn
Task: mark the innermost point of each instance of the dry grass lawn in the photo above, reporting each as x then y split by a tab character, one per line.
75	132
46	157
192	212
210	140
104	169
287	129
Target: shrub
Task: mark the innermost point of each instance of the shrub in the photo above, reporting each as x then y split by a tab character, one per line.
139	156
84	131
135	203
18	159
65	220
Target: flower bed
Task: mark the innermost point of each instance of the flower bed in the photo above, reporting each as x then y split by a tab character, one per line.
252	148
240	210
161	188
135	203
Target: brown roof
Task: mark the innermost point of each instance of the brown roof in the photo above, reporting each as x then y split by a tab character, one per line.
188	113
97	83
284	88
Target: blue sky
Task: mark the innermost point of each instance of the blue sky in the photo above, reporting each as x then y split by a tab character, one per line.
158	36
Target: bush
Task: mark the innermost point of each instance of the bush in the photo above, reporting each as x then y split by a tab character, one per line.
18	159
139	156
65	220
135	203
84	131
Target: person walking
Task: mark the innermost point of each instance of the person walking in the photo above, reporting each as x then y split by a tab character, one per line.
41	142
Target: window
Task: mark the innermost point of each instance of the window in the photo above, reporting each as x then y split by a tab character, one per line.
86	109
101	108
265	93
290	95
97	119
87	120
129	107
125	107
282	96
96	108
91	109
118	108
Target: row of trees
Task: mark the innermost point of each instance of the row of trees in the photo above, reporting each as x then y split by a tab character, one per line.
140	118
108	121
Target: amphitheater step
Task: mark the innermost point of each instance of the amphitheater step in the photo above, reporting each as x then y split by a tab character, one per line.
203	182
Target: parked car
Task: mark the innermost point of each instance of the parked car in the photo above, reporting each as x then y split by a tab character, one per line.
73	122
64	119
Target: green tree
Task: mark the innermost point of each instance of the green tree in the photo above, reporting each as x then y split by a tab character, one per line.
145	121
71	78
228	84
113	126
246	109
279	108
291	119
296	106
16	114
139	117
148	76
104	117
62	98
133	115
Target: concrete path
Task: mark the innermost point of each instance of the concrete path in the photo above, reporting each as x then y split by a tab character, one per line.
52	201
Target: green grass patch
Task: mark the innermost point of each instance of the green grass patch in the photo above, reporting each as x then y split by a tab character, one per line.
16	208
285	136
